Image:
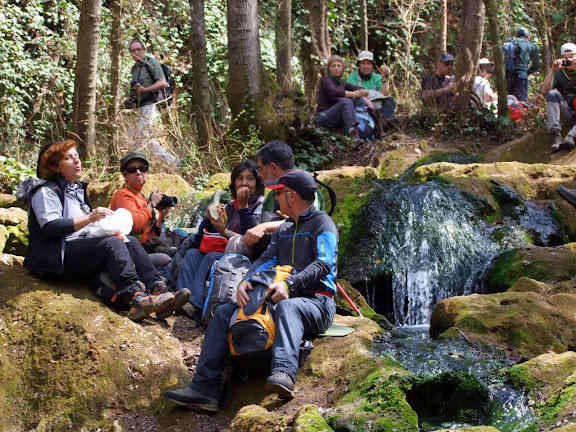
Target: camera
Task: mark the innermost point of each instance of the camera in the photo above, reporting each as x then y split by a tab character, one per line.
566	62
167	201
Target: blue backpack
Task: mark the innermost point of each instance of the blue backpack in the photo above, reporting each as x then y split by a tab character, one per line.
512	52
366	125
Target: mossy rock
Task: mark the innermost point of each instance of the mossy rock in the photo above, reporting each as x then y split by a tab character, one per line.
525	324
470	429
392	164
344	308
15	221
309	419
544	375
531	148
254	418
376	404
66	359
538	263
4	234
13	216
352	186
567	428
8	200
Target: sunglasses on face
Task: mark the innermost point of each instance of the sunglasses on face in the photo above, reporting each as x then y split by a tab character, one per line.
141	168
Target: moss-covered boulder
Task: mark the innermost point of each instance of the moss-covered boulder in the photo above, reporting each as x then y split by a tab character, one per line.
524	324
309	419
344	307
67	362
15	222
544	264
254	418
352	186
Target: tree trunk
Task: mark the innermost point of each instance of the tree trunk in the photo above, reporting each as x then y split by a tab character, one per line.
84	118
444	27
115	57
284	44
471	36
245	66
364	26
315	46
201	105
500	70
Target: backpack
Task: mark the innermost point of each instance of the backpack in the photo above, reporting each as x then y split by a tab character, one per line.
366	124
164	96
252	331
512	52
225	276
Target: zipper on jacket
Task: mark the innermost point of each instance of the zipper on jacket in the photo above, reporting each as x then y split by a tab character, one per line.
294	240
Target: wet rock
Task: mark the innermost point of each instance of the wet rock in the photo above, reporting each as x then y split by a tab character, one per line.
254	418
344	308
309	419
61	365
470	429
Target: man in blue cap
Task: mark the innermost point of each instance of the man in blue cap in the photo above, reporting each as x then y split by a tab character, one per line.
308	243
522	59
437	88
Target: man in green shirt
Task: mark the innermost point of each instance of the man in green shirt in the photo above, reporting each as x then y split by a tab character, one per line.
559	86
370	79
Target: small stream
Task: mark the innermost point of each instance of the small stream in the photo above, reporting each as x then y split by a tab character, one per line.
412	347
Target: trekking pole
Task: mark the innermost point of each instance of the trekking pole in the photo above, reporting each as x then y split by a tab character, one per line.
349	300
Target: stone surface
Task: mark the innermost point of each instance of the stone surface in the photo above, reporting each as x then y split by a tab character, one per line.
254	418
7	200
344	307
4	234
470	429
309	419
67	361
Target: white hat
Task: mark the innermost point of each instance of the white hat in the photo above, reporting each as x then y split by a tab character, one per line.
484	61
568	48
365	55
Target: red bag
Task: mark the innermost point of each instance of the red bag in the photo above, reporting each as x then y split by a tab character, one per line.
212	242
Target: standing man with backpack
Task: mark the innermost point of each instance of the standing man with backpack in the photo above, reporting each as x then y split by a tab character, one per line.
148	86
522	59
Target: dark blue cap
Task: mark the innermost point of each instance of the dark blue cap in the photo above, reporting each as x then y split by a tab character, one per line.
522	32
446	58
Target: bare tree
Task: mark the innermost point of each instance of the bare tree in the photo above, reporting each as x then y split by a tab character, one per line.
444	27
245	66
315	48
364	26
500	72
84	117
471	36
201	85
284	44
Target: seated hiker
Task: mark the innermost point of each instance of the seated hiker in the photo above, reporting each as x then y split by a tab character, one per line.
307	241
559	86
59	247
374	81
482	88
148	213
438	88
235	218
337	99
274	159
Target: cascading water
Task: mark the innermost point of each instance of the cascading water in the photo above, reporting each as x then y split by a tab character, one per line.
429	239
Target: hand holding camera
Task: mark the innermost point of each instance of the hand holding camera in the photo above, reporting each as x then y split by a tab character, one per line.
566	63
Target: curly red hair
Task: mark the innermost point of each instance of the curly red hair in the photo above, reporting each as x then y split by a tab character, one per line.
50	157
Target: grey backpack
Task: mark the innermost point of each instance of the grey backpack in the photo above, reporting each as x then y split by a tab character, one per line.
225	276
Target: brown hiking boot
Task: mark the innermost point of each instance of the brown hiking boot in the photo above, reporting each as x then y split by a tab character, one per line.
144	305
180	298
159	287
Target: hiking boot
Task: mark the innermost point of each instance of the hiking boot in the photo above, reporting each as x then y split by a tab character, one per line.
192	312
557	141
159	287
190	398
144	305
568	194
180	299
568	143
281	383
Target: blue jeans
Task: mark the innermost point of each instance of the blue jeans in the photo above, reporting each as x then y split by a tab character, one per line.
194	271
295	318
517	86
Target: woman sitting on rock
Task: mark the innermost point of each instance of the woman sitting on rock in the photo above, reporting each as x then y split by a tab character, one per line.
59	247
235	218
336	99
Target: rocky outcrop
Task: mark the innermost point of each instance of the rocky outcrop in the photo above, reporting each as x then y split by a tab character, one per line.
13	230
254	418
67	362
309	419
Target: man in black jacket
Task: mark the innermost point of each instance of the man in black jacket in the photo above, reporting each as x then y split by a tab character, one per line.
308	242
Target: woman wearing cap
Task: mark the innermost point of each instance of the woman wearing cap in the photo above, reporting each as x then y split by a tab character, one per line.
236	218
482	87
336	99
368	78
58	210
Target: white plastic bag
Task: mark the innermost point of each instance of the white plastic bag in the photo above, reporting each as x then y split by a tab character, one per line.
118	223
